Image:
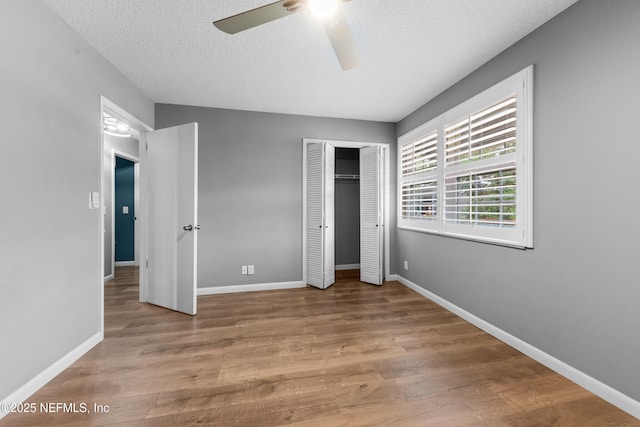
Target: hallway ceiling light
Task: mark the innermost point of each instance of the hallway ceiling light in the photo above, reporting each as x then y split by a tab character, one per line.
122	127
112	126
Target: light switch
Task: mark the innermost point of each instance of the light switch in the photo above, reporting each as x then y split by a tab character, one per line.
94	200
125	210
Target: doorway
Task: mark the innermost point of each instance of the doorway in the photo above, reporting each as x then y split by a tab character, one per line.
121	169
167	212
121	137
318	212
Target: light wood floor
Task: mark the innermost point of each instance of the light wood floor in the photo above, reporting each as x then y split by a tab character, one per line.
352	355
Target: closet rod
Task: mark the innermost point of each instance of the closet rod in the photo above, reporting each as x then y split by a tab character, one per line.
346	176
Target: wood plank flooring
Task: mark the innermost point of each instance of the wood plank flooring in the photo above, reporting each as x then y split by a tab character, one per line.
351	355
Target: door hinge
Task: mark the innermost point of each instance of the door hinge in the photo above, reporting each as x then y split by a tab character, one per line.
147	264
146	146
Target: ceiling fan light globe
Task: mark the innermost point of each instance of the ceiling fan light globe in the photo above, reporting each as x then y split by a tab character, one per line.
323	9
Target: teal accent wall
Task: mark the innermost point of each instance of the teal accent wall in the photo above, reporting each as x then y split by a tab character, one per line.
124	223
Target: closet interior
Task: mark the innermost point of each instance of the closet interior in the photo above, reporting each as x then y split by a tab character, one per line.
347	208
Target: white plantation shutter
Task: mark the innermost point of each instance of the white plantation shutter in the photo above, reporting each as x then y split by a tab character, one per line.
419	199
490	132
418	193
475	180
482	198
420	156
480	188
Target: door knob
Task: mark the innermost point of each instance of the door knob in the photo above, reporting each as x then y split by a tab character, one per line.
188	227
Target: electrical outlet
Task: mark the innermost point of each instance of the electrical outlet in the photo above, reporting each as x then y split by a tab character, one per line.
244	270
406	265
251	270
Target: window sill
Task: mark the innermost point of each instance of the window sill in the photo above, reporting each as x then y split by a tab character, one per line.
476	239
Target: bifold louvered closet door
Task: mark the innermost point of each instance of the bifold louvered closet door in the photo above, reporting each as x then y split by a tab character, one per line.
371	226
320	215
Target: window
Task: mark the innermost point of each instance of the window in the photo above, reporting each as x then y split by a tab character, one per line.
468	172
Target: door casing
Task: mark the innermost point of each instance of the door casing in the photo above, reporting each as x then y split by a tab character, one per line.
136	205
387	188
141	127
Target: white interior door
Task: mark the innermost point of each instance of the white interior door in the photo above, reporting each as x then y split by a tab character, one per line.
320	215
371	205
172	210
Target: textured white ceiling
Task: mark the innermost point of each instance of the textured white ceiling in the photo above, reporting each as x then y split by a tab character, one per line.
412	50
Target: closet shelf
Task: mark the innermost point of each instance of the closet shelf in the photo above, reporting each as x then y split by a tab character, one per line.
345	177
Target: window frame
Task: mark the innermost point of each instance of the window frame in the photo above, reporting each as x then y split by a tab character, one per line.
521	234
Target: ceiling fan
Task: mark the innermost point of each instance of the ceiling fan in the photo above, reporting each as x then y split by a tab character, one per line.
329	11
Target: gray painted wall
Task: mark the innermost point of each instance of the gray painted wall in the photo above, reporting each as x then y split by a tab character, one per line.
50	86
250	187
575	296
347	208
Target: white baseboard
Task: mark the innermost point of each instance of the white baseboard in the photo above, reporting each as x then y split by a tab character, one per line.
27	390
596	387
347	267
124	263
107	278
392	277
250	288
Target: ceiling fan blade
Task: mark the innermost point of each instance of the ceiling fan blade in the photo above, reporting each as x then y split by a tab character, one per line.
255	17
341	38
